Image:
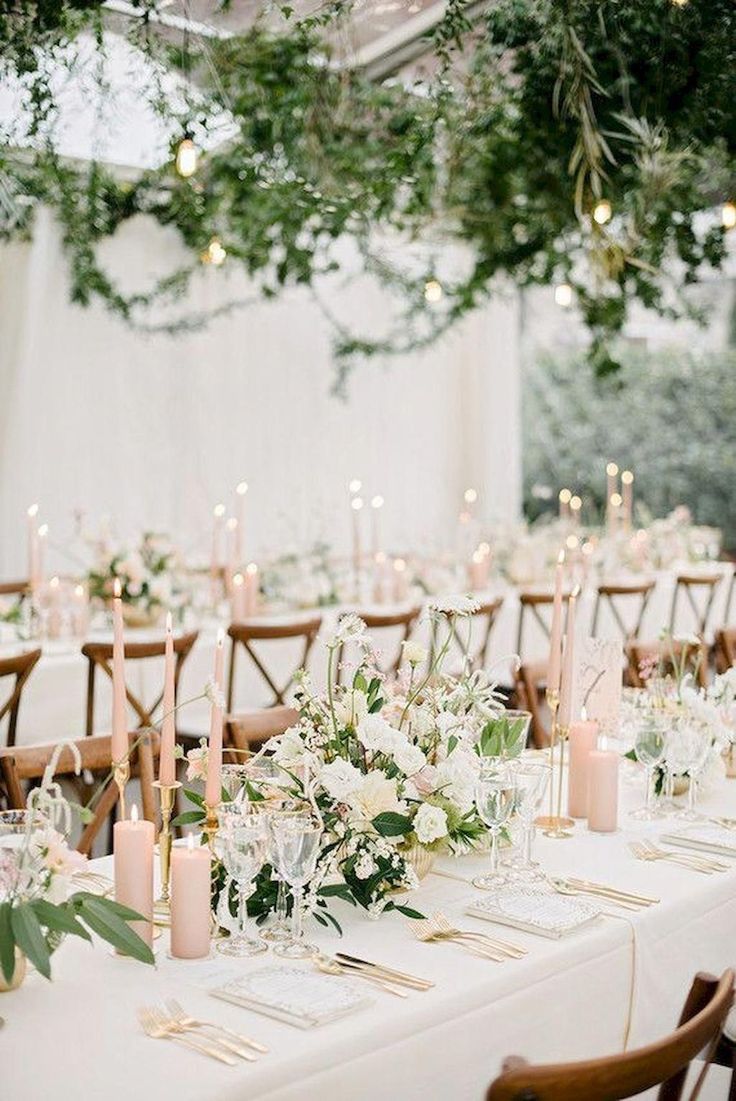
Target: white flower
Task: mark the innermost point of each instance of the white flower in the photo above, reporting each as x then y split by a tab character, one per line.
456	778
350	628
289	748
159	588
365	866
352	708
376	734
375	795
430	824
214	693
54	852
340	779
686	640
455	605
413	652
408	757
197	764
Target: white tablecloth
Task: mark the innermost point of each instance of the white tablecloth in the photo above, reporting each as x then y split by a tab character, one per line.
566	999
53	704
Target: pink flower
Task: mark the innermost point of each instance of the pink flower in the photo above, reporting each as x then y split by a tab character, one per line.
425	780
197	764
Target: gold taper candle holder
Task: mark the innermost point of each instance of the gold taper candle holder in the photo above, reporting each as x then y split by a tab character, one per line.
121	775
211	825
554	824
167	797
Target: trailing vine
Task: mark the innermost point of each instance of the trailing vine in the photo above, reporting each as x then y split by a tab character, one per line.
522	123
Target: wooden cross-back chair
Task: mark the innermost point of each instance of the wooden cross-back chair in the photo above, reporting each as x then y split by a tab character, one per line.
23	764
21	666
384	621
485	618
532	604
530	685
15	588
664	1063
645	652
636	594
245	634
248	730
703	584
725	647
99	655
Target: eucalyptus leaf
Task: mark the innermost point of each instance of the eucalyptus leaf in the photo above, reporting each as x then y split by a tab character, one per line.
7	942
29	937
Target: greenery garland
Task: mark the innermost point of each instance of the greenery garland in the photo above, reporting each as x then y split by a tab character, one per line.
529	120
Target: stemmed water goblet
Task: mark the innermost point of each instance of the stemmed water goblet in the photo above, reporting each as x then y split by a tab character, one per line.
241	844
695	745
296	849
650	743
530	779
495	796
276	810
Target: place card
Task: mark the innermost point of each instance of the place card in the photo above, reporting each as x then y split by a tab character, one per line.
292	995
704	836
598	682
535	910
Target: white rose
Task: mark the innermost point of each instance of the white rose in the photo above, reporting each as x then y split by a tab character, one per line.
413	652
408	757
340	779
456	778
376	734
430	824
375	795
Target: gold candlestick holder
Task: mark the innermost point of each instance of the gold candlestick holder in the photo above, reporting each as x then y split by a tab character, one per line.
121	775
555	824
211	825
167	796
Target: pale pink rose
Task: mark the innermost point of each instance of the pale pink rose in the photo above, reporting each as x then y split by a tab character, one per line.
425	780
197	764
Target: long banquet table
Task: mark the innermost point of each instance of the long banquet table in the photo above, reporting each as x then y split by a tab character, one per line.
566	999
53	705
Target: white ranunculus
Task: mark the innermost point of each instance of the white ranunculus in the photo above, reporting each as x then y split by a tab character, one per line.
430	824
351	708
408	757
340	779
413	652
375	795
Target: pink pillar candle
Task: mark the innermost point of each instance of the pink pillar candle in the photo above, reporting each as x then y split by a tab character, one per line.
401	585
213	787
167	762
583	739
133	860
603	791
555	639
237	598
119	702
240	491
33	550
251	590
567	687
190	901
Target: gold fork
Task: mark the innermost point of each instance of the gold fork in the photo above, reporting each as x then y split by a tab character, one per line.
211	1032
503	946
184	1019
696	858
153	1026
424	930
643	852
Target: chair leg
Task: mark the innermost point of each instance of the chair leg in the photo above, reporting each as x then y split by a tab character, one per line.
89	726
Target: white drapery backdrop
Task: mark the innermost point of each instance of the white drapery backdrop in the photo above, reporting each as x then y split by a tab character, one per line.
154	430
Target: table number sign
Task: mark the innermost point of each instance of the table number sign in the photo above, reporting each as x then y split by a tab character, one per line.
598	682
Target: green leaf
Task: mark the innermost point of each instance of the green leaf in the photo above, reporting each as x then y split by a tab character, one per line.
451	743
61	918
98	915
254	796
408	911
124	912
391	824
29	937
188	818
194	797
7	943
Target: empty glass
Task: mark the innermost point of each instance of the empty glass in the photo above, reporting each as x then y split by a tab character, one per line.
649	745
275	810
695	742
241	844
495	797
297	843
530	779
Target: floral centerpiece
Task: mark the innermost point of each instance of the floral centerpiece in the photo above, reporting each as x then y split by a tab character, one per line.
150	575
389	768
38	905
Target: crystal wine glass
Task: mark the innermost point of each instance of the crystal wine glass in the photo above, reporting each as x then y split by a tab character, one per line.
495	796
241	843
650	742
275	810
531	779
297	843
696	743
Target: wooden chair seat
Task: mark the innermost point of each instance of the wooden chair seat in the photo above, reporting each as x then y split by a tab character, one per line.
20	667
664	1063
22	764
247	731
257	631
638	652
377	622
620	598
99	655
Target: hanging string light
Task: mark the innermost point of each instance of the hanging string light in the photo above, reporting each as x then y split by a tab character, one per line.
215	253
602	212
433	290
563	295
728	215
187	156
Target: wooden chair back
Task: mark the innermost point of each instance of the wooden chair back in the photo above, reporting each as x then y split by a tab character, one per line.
245	634
99	656
538	606
22	764
645	653
531	682
620	600
484	618
705	585
384	621
664	1063
725	648
15	588
247	731
20	667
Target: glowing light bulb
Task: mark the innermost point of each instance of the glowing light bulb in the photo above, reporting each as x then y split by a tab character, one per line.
215	253
377	501
357	503
571	542
470	496
485	549
602	212
627	477
576	503
612	470
616	500
399	565
355	485
186	157
433	290
241	488
565	496
251	569
32	511
728	215
238	580
219	510
563	295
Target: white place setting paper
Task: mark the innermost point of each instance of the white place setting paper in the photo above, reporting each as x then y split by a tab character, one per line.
293	995
535	910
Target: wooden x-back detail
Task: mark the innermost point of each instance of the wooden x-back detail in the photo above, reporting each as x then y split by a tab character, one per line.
614	595
531	603
245	634
689	583
383	621
20	667
99	655
484	617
